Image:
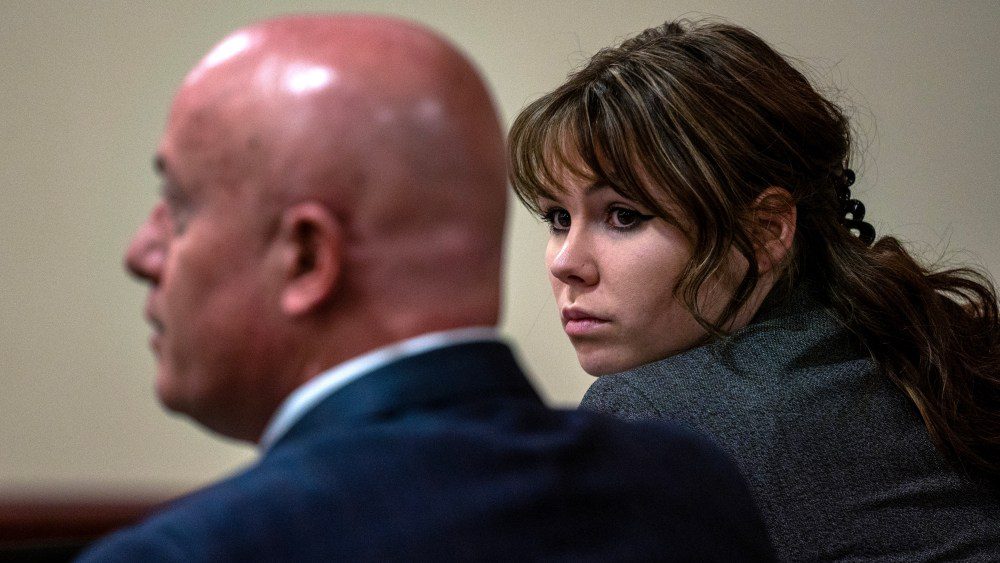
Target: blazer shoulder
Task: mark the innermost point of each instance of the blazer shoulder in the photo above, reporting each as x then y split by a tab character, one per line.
202	526
622	396
148	541
664	463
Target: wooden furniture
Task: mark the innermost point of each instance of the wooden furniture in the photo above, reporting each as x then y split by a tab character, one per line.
44	528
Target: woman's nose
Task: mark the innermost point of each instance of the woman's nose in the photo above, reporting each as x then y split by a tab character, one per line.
571	260
146	251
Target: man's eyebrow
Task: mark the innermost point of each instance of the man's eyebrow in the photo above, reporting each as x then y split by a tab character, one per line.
168	188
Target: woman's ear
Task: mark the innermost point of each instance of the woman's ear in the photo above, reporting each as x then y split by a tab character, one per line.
774	216
310	251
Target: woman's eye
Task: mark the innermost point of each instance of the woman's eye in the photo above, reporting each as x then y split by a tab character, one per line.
557	218
624	218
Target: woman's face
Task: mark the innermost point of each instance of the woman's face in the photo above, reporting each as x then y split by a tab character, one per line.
613	268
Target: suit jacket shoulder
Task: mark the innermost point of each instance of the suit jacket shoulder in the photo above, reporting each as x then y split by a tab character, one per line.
451	455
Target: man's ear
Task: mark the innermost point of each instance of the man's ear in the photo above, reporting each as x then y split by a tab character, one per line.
310	252
774	216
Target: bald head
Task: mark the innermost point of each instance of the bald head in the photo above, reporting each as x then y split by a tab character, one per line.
343	178
338	87
386	125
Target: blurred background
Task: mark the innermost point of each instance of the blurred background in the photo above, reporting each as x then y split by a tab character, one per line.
84	94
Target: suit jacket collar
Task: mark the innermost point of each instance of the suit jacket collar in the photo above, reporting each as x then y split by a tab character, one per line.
449	375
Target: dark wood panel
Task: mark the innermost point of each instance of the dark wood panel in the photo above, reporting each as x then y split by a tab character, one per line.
50	529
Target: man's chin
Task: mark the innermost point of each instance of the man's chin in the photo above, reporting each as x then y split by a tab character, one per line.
167	392
212	416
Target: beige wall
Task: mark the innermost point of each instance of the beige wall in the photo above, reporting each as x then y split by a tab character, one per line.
85	89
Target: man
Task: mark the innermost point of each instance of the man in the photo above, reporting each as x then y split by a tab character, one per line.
324	269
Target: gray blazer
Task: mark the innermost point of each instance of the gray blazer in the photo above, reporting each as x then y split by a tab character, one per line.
837	457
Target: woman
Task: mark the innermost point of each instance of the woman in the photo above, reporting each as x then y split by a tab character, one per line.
706	251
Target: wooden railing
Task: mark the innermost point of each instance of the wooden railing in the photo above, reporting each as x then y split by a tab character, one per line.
51	529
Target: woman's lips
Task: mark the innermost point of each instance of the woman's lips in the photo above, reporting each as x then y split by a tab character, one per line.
577	322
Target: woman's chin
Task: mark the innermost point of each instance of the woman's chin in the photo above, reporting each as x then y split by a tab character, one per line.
598	364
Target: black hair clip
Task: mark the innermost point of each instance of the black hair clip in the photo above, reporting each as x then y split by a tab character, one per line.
852	210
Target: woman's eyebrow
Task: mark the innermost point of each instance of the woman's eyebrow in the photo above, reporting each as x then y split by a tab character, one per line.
598	187
541	200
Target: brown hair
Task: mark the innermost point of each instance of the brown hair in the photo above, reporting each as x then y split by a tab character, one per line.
705	116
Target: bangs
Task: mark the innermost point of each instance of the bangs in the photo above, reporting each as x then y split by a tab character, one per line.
545	149
584	133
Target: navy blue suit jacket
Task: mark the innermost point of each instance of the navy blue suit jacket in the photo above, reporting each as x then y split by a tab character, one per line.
450	455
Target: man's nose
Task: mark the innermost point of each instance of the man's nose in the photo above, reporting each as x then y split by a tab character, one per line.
147	250
573	262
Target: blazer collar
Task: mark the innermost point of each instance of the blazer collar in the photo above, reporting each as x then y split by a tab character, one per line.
448	375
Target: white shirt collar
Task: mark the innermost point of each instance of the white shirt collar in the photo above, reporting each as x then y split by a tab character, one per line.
300	401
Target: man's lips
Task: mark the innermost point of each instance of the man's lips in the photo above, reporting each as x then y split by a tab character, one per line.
157	326
153	321
154	343
580	322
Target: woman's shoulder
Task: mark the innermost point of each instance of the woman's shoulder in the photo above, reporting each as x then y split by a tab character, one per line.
825	441
793	345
